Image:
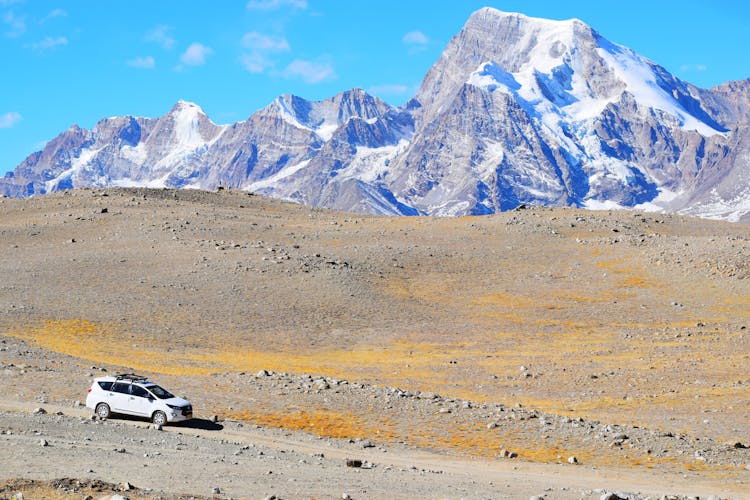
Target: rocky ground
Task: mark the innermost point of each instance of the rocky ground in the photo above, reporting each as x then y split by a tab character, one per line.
559	353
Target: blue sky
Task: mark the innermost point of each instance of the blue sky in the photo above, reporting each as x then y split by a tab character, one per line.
80	61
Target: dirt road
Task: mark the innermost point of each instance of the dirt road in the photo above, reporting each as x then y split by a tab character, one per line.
250	462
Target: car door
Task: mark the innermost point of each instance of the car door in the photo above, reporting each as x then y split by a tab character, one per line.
140	401
118	397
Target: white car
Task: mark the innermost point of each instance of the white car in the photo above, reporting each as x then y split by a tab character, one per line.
131	394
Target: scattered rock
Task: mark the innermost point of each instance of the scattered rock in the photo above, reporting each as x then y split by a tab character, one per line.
40	411
612	496
572	460
353	463
321	384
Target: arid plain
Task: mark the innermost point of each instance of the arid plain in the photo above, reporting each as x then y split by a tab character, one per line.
619	338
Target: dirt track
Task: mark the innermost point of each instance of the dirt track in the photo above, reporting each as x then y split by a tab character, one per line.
619	319
248	462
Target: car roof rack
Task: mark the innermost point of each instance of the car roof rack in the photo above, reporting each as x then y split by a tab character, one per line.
130	376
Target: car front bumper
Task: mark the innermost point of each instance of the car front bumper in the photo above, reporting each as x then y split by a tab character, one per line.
179	414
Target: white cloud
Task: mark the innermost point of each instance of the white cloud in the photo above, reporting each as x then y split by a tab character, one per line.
147	62
16	25
392	89
416	41
258	41
6	3
255	63
49	43
9	119
196	54
415	38
310	72
260	48
161	35
276	4
54	14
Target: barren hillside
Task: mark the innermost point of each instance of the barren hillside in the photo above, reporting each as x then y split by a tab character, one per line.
546	332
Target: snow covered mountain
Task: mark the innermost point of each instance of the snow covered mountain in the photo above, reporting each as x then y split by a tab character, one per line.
516	110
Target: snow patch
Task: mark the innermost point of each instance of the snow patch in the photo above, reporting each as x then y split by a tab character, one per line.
136	154
659	203
371	164
325	128
286	114
157	183
492	77
82	161
640	81
187	120
273	180
603	205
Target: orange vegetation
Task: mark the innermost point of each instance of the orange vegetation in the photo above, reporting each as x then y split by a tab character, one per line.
322	422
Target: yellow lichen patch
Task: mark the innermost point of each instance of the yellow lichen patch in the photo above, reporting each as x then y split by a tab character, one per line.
506	300
634	278
636	281
733	306
610	265
569	296
321	422
103	343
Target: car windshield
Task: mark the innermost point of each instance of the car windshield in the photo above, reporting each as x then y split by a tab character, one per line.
160	392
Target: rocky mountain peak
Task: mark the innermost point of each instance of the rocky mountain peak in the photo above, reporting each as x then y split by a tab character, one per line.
516	24
515	44
182	106
326	116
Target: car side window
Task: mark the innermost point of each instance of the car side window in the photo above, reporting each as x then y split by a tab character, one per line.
139	391
120	387
106	386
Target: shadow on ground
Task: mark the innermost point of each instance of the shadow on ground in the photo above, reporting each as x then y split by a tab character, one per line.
194	423
199	423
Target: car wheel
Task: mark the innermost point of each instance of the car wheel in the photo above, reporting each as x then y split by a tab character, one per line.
159	418
102	410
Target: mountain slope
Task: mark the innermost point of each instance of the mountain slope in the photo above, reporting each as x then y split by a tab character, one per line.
515	110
